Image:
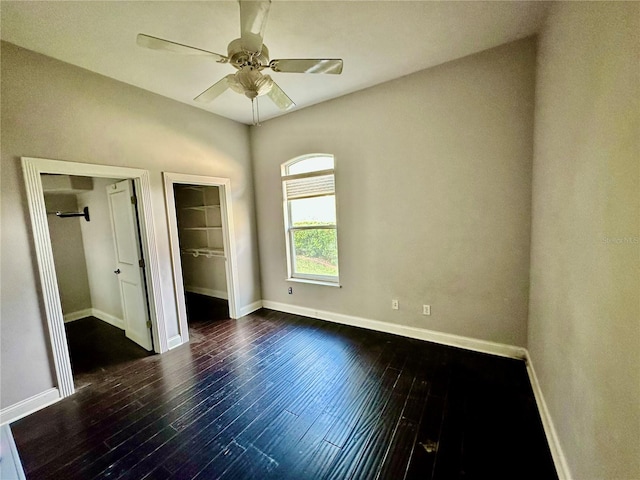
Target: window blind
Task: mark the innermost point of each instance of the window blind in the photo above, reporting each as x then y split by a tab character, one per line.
310	186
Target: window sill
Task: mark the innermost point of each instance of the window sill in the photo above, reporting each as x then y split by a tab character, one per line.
314	282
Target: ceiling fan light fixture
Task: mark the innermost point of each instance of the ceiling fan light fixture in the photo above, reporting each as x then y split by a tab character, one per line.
250	82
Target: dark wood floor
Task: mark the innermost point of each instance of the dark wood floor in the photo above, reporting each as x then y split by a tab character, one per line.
97	348
281	396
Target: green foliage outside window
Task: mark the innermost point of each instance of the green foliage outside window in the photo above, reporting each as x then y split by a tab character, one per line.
316	250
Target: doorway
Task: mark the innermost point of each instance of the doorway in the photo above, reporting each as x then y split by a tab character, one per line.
93	228
203	254
33	169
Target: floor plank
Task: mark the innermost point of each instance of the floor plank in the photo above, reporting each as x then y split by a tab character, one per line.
281	396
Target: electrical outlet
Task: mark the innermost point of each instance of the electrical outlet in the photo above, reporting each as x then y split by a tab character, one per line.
395	305
426	309
290	290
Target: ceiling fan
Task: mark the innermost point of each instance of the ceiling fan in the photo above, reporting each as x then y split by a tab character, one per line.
250	57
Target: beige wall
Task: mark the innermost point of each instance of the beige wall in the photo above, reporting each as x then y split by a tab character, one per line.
54	110
99	250
433	175
584	320
68	253
204	275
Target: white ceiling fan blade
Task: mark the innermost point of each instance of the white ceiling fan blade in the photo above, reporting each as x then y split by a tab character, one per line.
277	96
155	43
253	20
307	65
215	90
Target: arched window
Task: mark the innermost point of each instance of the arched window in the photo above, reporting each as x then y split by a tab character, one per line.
308	186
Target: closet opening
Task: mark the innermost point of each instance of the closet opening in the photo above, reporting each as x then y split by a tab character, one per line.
142	297
202	249
95	241
202	255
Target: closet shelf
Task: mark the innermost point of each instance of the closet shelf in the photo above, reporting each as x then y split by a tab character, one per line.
204	251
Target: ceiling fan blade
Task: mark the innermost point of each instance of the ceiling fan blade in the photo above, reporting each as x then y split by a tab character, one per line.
307	65
253	20
155	43
277	96
215	90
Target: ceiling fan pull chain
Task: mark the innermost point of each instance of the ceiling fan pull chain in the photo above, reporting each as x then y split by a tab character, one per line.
255	111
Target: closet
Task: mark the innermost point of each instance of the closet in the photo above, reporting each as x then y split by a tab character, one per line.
202	252
104	310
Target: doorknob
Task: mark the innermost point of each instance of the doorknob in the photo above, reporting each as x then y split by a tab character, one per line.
117	272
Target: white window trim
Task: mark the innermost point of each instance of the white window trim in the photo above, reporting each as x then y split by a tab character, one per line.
313	282
325	280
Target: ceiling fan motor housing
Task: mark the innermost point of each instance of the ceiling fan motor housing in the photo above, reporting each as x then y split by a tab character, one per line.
238	57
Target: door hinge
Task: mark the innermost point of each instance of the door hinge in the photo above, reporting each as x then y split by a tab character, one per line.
141	263
134	200
148	323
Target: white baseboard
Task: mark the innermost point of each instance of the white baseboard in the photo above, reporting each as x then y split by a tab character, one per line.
252	307
10	464
560	461
94	312
73	316
208	292
29	405
174	341
450	339
106	317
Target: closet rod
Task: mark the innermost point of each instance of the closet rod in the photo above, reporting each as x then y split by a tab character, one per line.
84	213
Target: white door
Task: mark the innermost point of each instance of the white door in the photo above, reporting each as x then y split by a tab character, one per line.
128	263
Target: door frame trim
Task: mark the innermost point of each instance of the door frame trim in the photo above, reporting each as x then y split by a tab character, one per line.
228	234
32	168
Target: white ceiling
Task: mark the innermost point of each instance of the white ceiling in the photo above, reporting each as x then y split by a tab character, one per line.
379	41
